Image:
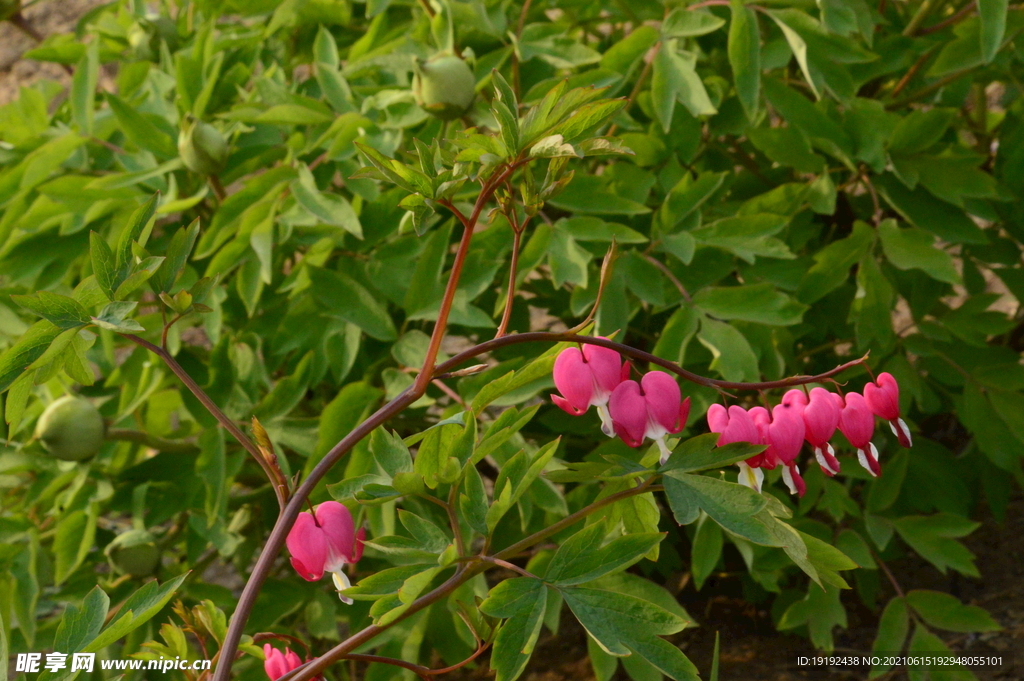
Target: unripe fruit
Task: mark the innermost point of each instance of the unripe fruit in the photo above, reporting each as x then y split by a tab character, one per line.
71	428
203	149
444	86
134	553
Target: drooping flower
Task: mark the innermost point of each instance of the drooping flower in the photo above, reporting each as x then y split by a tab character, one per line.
857	423
883	398
325	543
821	418
277	664
588	377
652	408
784	436
736	425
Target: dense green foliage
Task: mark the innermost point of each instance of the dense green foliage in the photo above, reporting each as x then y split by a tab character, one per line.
787	186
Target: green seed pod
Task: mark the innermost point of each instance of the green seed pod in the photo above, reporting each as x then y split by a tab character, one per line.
203	149
444	86
134	553
71	428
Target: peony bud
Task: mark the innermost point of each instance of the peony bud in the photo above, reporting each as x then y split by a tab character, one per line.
203	149
71	428
134	553
444	86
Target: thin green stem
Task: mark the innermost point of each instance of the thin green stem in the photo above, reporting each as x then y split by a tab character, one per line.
212	407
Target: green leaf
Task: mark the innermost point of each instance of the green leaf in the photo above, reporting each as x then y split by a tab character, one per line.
934	538
590	195
821	611
920	129
140	607
140	130
827	560
913	248
683	22
80	626
799	47
132	233
674	80
103	264
112	317
625	625
872	305
71	544
343	297
702	453
759	303
731	505
512	596
893	627
924	210
30	347
332	209
390	452
993	26
832	263
733	356
83	88
517	637
706	550
943	611
582	558
745	57
746	236
61	311
177	256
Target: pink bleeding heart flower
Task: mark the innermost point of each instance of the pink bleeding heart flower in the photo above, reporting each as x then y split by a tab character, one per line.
651	409
588	377
277	664
883	398
795	399
857	423
821	418
736	425
785	436
325	543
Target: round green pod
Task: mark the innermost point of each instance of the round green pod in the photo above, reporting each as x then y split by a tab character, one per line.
71	428
444	86
202	148
134	553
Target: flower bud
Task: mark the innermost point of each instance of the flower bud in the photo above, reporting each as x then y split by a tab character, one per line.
203	149
71	428
444	86
134	553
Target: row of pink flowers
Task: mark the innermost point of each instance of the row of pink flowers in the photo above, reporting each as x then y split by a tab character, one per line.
654	408
813	418
596	376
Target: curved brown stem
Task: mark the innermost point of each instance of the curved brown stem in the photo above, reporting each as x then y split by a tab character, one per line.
468	225
640	355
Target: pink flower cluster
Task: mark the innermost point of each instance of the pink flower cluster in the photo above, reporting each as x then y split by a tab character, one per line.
596	376
814	418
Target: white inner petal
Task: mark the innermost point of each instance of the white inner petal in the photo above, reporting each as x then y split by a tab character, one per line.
341	582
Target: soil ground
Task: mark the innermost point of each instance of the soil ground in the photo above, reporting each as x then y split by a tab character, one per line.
751	649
